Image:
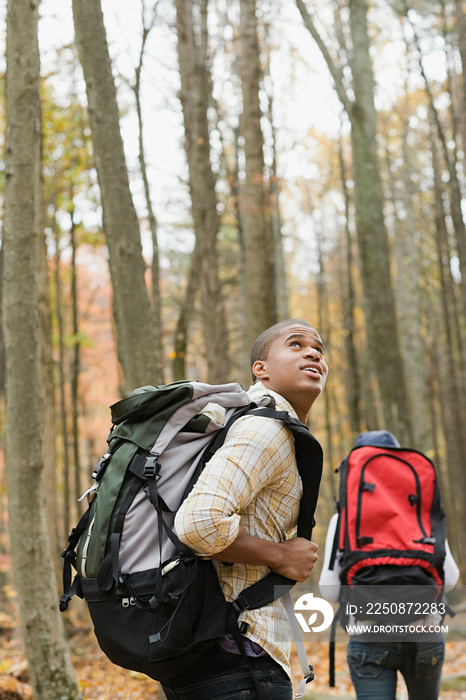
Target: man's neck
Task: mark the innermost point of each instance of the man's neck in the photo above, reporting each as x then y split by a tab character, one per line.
299	409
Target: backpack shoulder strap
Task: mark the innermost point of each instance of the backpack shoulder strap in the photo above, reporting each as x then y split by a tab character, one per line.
309	459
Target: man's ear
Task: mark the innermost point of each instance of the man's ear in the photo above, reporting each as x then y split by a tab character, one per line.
260	370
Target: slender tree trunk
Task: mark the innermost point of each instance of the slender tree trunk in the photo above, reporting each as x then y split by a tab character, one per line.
180	340
195	91
454	189
63	418
2	342
353	378
245	368
50	669
76	364
325	332
260	306
278	257
453	411
133	315
54	523
461	29
407	258
155	266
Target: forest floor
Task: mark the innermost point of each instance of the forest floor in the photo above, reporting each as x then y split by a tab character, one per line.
101	680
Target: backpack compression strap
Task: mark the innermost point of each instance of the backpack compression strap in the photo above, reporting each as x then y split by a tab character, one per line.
69	557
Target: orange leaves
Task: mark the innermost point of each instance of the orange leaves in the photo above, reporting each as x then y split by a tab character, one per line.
12	689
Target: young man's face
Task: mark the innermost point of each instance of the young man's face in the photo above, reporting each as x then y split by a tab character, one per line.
295	367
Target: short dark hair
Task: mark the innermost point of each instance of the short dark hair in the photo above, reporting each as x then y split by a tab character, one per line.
261	346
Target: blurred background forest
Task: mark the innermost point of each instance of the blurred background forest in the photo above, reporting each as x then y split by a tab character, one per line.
181	174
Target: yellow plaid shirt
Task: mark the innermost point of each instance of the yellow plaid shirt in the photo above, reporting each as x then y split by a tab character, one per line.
252	480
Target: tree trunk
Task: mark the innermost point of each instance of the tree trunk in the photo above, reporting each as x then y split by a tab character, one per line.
133	316
76	364
379	302
180	340
195	91
461	29
245	366
453	409
155	266
323	318
260	306
381	323
407	259
278	257
50	669
454	190
2	343
353	375
63	417
54	523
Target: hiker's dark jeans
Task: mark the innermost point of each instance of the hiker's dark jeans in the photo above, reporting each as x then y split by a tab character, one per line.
222	676
374	665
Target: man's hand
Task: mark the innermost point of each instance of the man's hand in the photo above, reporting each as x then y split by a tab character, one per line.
297	560
293	558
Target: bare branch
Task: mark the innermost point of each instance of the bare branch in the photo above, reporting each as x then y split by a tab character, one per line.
336	71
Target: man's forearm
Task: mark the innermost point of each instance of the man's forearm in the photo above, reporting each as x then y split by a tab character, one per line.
247	549
293	558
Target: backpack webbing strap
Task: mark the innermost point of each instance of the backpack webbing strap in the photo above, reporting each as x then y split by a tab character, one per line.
235	630
259	594
151	477
69	556
74	589
307	669
263	592
331	649
110	568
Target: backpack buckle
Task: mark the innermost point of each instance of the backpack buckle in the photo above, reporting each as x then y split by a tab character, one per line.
240	605
152	466
101	466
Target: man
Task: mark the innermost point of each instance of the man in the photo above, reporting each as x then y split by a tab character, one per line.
243	510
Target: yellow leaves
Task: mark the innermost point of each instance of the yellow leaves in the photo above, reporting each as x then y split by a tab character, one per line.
9	592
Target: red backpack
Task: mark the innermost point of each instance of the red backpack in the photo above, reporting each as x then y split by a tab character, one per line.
391	525
390	539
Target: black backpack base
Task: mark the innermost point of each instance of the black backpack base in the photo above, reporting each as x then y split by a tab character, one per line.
191	618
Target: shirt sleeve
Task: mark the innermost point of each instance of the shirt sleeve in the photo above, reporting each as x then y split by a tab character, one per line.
256	454
329	582
451	571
